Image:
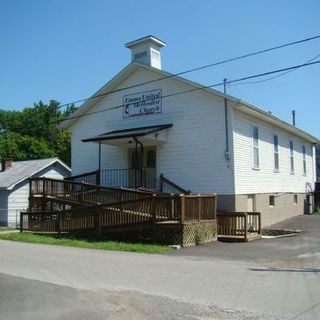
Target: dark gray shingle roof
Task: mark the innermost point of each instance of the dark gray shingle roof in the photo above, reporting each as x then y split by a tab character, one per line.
128	133
21	170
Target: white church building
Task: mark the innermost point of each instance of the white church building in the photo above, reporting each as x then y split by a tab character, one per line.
197	137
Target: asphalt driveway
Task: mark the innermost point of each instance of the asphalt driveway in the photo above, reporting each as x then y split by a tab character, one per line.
264	279
299	251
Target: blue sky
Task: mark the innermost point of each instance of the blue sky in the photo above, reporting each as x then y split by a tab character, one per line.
67	49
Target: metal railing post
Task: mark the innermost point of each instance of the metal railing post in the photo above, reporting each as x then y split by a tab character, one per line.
199	207
161	182
21	221
81	192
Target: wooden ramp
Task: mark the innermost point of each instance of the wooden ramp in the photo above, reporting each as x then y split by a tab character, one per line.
65	206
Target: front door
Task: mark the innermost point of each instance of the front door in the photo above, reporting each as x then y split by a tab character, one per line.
148	163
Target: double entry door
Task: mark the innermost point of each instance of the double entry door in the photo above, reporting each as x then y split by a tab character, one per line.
143	167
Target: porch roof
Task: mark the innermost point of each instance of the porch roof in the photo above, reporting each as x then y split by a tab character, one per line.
116	135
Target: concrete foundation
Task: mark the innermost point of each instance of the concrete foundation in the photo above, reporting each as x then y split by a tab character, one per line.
274	207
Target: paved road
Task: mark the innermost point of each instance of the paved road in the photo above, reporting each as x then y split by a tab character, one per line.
36	300
183	285
302	251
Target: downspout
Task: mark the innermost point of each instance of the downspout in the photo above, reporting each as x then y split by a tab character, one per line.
227	150
99	166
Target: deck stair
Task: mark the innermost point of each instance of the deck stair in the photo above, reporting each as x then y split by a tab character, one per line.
239	226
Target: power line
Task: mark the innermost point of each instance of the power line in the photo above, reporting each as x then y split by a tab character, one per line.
201	88
277	76
193	70
275	71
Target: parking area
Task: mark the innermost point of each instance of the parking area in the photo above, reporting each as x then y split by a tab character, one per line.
299	251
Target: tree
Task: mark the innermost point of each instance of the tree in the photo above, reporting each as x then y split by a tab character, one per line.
35	133
18	147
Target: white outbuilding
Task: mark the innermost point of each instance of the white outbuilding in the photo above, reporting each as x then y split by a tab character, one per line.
145	122
14	184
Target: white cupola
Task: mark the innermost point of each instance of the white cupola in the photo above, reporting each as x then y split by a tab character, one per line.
146	50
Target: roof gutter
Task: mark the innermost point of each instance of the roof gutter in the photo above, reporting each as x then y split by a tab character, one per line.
249	109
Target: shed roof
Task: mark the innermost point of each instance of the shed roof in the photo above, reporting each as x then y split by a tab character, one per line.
22	170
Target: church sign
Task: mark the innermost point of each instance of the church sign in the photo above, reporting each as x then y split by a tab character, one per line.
137	104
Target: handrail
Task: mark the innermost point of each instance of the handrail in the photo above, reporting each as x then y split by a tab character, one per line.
82	175
94	186
53	179
80	191
126	202
163	179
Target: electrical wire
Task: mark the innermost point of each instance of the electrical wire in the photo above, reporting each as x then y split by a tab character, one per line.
192	70
274	77
199	88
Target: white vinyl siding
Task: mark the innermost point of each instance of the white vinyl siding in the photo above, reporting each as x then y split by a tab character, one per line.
18	197
255	148
265	180
291	157
276	153
193	155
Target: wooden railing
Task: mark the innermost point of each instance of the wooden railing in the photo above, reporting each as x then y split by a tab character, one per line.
238	225
92	177
150	209
89	217
81	192
199	207
104	207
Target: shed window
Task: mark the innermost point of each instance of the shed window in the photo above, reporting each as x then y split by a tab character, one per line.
255	147
295	199
276	153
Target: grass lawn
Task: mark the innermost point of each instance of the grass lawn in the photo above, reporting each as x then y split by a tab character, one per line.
84	243
6	228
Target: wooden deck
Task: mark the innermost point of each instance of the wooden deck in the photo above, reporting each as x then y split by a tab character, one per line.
68	206
65	206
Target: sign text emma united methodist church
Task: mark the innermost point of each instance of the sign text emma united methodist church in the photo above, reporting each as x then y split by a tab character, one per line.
142	103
